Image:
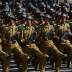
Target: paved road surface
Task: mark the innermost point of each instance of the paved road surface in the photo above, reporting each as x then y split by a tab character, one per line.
13	68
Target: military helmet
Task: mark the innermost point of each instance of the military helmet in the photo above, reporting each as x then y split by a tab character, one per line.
6	7
54	5
61	16
43	4
21	12
19	5
12	16
65	9
48	6
42	15
29	17
47	16
67	5
64	15
24	15
59	13
52	10
38	11
6	3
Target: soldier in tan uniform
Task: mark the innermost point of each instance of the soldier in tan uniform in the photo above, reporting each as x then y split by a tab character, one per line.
28	36
10	44
3	58
47	44
63	31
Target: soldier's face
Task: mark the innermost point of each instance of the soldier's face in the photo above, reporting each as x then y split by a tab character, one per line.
23	20
17	21
46	20
64	19
12	22
42	21
29	21
0	3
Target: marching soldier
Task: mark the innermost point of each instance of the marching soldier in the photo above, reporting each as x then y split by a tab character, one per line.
63	32
3	57
19	55
48	44
10	44
21	39
29	41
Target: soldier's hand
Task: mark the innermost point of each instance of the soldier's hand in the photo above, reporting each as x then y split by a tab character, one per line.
22	40
33	40
65	41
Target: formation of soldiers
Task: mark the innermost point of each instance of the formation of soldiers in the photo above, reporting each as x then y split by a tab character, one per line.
35	30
